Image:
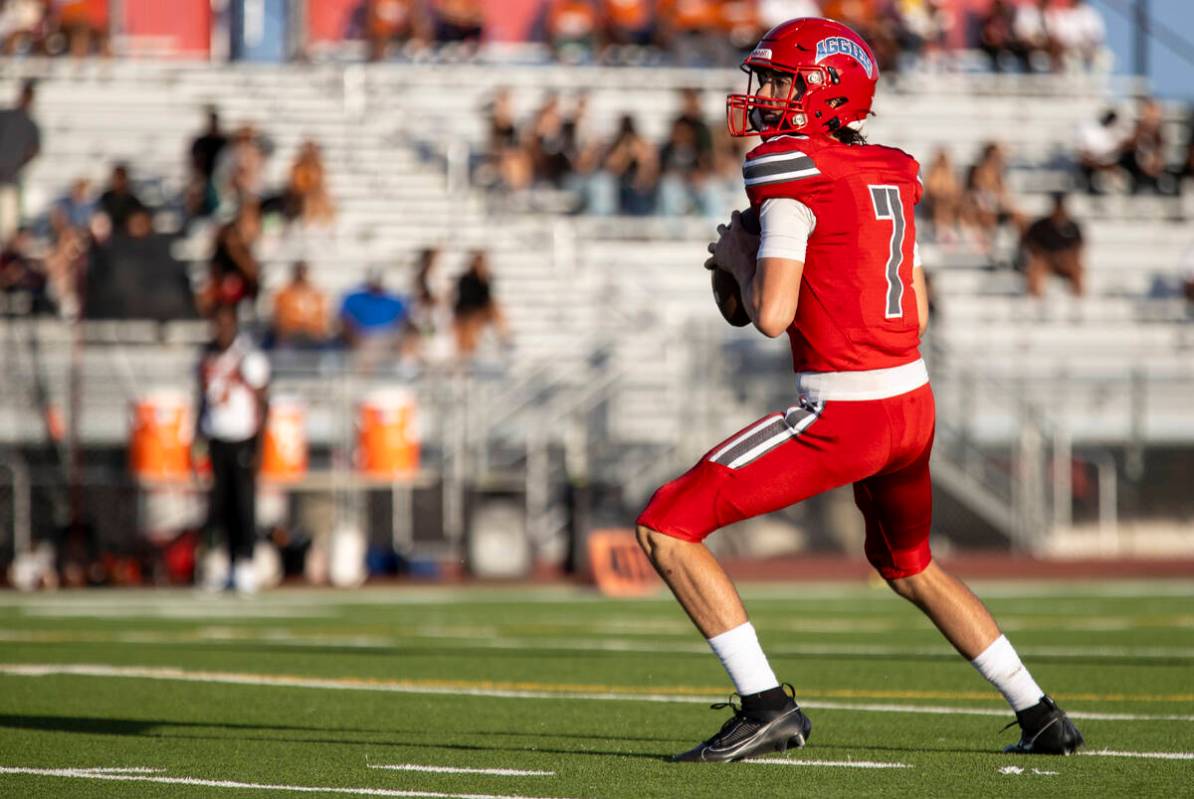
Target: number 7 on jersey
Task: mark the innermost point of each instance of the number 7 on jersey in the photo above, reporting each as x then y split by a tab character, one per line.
888	205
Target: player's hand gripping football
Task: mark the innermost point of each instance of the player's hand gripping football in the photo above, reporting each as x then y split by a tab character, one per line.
736	246
732	263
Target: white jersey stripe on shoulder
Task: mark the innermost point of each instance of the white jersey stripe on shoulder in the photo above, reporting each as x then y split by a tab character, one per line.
769	159
782	176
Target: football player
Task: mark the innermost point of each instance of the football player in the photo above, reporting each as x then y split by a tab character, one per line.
835	267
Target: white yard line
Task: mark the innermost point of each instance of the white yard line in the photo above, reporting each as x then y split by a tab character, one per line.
497	772
412	687
1144	755
529	644
830	763
112	775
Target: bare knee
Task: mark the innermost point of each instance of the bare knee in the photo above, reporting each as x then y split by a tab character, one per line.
651	541
919	587
905	587
913	587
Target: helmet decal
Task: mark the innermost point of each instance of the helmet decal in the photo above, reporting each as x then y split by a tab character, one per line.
835	45
763	53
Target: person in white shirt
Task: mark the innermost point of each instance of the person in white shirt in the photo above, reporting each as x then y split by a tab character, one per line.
1100	146
1078	30
233	400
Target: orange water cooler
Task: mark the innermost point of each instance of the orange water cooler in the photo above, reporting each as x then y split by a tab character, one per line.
160	438
284	450
387	436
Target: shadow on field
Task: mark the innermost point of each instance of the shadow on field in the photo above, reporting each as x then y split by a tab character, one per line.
156	728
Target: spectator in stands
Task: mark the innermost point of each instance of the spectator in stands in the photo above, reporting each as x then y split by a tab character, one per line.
393	21
430	320
581	147
1143	155
943	197
118	201
1033	42
628	22
458	20
548	143
572	28
476	308
595	189
202	196
371	317
305	198
508	163
632	165
997	36
240	167
684	167
23	285
69	240
300	312
692	115
84	24
1099	146
235	271
988	203
1054	245
20	142
74	208
1078	31
919	28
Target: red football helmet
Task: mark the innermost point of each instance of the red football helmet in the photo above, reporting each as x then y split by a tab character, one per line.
833	80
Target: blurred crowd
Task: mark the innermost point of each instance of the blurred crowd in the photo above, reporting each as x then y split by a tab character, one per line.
977	207
1041	35
53	27
1030	35
100	252
692	171
1038	36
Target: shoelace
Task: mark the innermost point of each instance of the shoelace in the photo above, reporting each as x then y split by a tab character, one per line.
739	715
732	721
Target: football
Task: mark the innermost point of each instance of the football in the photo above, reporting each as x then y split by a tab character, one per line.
729	298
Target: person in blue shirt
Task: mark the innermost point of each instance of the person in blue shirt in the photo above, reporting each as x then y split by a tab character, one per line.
372	316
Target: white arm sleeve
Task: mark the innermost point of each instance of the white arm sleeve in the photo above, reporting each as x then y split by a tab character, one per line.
916	262
786	225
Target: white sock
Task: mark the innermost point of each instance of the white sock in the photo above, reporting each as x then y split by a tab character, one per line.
1000	664
744	660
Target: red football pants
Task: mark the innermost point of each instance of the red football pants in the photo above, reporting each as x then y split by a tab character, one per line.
881	446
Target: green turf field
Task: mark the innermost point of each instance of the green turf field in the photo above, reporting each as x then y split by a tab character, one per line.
321	693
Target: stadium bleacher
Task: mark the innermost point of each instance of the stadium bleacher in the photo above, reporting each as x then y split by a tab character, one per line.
629	291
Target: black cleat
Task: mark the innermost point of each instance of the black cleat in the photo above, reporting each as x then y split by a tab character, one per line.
746	736
1045	729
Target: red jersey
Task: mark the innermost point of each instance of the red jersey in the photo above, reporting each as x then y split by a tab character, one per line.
857	308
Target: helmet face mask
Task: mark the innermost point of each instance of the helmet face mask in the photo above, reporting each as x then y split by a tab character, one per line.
821	76
752	114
